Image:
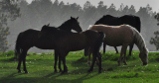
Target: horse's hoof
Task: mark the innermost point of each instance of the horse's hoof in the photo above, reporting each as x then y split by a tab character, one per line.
125	63
99	71
60	70
55	71
89	63
26	72
118	63
63	72
90	70
130	54
19	71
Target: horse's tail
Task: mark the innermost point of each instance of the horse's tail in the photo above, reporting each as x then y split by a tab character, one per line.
96	47
138	24
17	50
99	41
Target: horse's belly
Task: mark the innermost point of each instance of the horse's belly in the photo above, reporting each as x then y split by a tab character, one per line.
45	45
113	42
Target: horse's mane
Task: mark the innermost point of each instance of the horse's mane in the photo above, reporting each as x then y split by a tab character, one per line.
138	39
89	27
63	25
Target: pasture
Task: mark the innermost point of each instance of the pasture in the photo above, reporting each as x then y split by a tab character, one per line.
40	68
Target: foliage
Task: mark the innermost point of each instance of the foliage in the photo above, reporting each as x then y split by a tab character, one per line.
40	67
155	40
8	10
157	17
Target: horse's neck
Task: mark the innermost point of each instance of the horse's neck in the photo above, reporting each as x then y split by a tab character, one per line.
139	41
100	28
65	27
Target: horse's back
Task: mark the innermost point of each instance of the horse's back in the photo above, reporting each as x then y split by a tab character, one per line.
27	37
126	19
109	20
115	35
132	20
77	41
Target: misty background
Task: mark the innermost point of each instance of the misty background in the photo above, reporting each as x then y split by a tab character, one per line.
41	12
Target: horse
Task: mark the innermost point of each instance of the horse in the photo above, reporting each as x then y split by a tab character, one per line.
114	21
29	38
123	35
68	41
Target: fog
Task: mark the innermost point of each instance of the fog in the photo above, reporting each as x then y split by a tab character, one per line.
37	14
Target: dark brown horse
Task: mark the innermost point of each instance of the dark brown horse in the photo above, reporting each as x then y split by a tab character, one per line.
68	41
115	21
123	35
30	38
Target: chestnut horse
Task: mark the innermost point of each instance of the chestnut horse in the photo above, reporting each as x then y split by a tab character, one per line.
123	35
116	21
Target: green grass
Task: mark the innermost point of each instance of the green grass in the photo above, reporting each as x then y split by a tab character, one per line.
40	67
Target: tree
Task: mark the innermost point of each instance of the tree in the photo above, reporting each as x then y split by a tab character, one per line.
8	10
112	10
132	10
101	9
157	17
100	4
89	13
123	9
155	40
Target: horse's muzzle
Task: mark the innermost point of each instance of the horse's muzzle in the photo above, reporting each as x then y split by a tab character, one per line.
144	64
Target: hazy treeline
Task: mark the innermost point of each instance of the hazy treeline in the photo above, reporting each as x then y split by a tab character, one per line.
40	12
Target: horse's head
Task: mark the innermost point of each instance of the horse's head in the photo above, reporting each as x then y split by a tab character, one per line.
45	28
71	24
74	24
144	56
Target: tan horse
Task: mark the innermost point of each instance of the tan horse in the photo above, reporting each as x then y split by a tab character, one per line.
123	35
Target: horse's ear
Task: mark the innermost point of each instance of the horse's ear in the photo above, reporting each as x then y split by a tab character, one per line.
48	24
71	17
77	18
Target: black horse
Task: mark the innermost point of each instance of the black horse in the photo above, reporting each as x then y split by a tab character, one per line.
126	19
30	38
63	42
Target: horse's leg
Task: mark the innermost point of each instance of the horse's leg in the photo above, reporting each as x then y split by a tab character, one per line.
130	50
63	58
89	59
116	49
123	52
93	62
104	47
87	52
19	63
124	59
99	62
59	65
24	61
64	65
55	62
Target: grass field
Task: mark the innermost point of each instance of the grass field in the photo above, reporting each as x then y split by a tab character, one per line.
40	68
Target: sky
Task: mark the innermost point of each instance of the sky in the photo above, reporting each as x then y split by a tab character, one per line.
137	3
